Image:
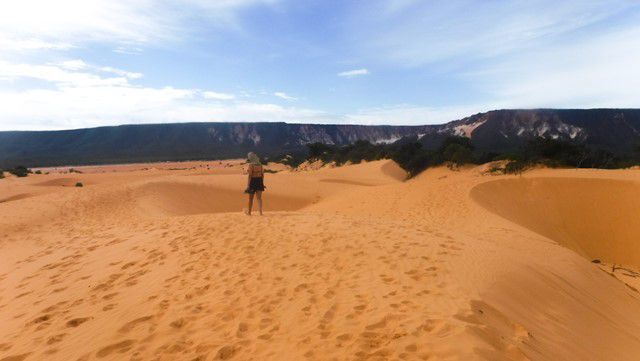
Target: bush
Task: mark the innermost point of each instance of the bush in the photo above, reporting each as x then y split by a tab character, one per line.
79	184
354	153
292	160
320	151
1	174
516	167
562	153
20	171
38	172
455	151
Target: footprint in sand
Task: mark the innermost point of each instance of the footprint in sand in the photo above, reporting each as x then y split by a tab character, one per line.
56	338
132	324
77	321
16	357
120	347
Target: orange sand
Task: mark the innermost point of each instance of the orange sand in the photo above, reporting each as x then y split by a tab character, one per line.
349	263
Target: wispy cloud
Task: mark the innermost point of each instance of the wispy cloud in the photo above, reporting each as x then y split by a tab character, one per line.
583	75
410	33
446	59
217	96
285	96
62	24
76	94
79	64
128	50
354	73
516	53
8	44
57	75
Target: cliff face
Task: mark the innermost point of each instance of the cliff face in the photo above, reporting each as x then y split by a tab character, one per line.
617	130
158	142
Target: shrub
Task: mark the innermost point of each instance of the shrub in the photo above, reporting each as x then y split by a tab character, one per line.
320	151
355	153
413	158
516	167
292	160
455	151
496	169
38	172
1	174
79	184
20	171
562	153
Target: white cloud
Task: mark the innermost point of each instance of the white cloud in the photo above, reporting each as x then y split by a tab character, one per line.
57	75
599	72
129	50
62	24
409	33
75	64
354	73
127	74
8	44
85	97
517	53
285	96
79	64
218	96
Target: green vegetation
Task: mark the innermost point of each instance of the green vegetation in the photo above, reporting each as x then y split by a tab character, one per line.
560	153
38	172
292	160
354	153
79	184
454	152
20	171
1	173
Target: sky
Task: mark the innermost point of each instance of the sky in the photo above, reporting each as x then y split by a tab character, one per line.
69	64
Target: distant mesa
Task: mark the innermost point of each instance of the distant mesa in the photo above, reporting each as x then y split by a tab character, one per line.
614	130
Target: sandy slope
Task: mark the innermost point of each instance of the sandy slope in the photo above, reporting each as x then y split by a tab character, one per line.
349	263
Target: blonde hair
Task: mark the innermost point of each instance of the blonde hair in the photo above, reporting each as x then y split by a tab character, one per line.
253	158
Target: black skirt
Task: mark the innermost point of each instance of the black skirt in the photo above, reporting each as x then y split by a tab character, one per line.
256	184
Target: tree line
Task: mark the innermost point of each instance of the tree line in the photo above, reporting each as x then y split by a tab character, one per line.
455	151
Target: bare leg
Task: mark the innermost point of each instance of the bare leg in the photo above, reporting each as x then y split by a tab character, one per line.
250	204
259	195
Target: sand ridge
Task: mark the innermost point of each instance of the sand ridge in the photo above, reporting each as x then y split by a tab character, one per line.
348	263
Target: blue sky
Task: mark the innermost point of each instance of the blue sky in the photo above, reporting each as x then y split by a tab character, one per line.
72	63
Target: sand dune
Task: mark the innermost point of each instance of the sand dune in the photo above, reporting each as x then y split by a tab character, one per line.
185	198
348	263
15	197
597	218
59	182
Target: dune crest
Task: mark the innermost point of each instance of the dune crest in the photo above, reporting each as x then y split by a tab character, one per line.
597	218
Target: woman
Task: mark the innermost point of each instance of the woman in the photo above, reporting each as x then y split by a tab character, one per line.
255	181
